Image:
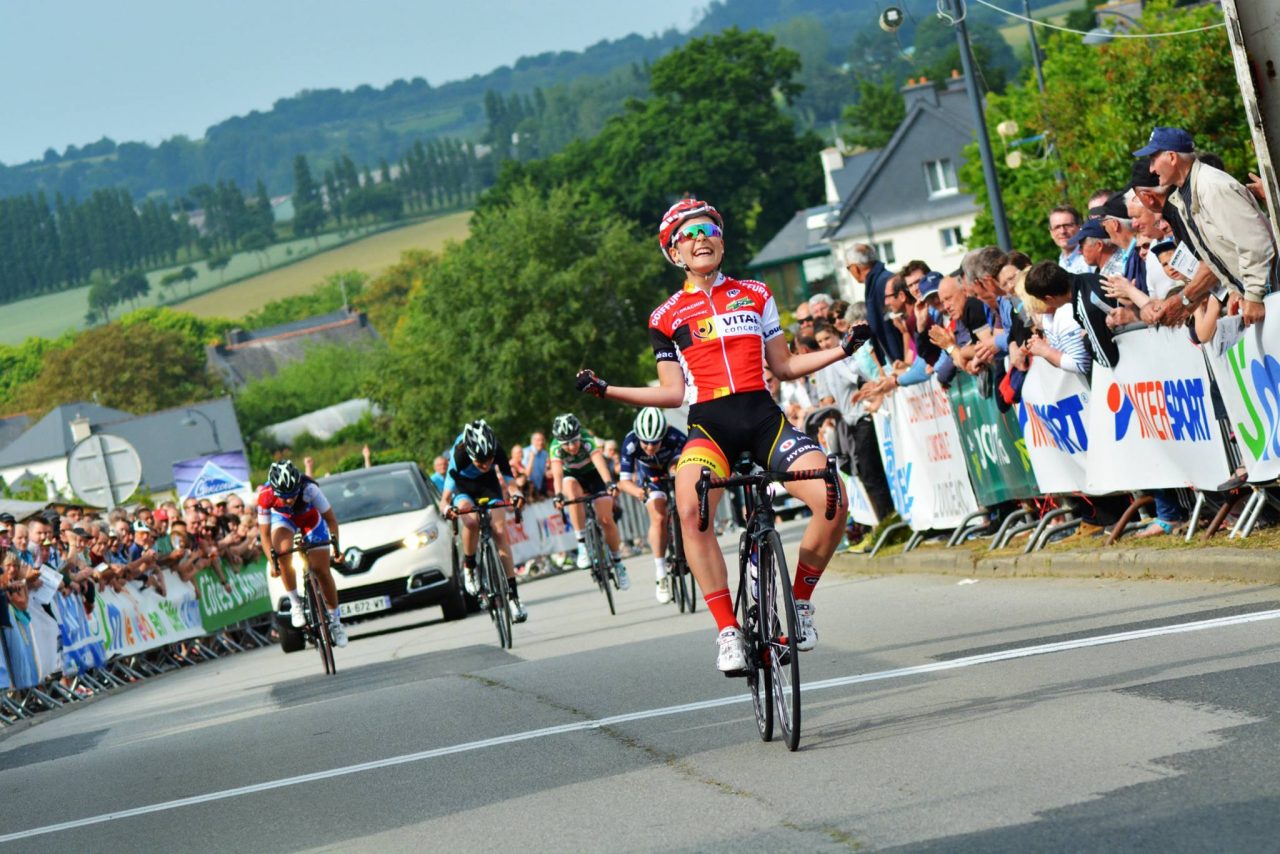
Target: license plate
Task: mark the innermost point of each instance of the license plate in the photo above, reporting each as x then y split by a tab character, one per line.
361	607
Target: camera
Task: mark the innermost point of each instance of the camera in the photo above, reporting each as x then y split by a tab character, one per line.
891	19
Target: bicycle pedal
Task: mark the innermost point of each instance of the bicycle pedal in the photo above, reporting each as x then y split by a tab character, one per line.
737	674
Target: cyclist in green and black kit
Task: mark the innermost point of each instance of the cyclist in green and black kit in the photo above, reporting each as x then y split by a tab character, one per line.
578	467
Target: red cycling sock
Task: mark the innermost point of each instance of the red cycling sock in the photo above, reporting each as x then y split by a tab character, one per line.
720	604
806	579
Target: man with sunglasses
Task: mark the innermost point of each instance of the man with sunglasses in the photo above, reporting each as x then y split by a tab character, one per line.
649	452
479	468
714	337
287	503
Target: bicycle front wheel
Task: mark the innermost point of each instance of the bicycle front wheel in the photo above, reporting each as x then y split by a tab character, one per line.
319	618
496	580
601	565
759	677
778	624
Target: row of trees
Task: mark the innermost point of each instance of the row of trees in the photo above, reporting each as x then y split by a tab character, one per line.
46	248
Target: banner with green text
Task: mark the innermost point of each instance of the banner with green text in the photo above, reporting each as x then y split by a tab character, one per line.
995	451
1245	364
247	597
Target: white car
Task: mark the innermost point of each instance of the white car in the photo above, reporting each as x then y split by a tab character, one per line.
396	544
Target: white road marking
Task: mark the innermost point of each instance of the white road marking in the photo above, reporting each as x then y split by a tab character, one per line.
580	726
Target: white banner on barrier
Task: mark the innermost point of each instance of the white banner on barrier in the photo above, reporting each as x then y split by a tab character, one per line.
132	620
1152	420
543	531
1054	416
1249	378
860	509
923	459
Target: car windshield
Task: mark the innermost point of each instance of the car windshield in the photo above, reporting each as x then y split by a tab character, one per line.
368	495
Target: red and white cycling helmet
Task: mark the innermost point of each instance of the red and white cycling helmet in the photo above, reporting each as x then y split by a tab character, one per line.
677	214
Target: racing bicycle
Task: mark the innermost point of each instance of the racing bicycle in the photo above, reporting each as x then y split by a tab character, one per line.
684	592
765	605
316	628
601	563
490	573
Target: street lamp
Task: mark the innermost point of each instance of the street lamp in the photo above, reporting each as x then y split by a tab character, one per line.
188	420
955	15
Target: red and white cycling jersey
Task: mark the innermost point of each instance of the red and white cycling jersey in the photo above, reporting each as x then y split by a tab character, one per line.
717	337
302	511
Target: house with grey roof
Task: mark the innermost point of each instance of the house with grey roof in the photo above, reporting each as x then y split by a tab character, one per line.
796	263
160	438
247	355
903	199
908	204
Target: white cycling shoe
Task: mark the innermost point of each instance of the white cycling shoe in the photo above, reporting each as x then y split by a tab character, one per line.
624	580
664	590
297	617
337	633
584	559
732	658
470	582
807	635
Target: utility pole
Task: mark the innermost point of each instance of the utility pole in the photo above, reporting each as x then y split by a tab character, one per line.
1253	28
955	11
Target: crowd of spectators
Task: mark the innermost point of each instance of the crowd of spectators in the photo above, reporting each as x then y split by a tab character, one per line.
89	551
1000	311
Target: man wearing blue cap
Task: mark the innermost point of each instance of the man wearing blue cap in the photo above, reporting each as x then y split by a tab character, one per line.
1224	228
1097	249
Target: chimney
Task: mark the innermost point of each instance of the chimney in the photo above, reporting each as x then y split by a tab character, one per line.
956	83
236	336
79	428
832	160
919	90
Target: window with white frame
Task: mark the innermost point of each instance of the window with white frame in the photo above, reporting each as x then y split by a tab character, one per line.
952	239
941	177
884	251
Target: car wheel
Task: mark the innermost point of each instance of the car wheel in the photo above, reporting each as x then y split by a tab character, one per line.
291	639
454	605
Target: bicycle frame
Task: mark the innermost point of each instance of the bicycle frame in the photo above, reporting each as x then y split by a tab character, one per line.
492	574
314	607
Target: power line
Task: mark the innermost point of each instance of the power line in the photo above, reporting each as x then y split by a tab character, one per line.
1085	33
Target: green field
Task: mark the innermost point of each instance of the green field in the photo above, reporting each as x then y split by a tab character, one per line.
240	288
370	255
1016	32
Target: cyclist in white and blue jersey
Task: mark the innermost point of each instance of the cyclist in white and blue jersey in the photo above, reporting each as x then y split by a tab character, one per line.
478	469
650	452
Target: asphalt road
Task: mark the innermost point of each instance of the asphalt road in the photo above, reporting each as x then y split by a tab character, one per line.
942	714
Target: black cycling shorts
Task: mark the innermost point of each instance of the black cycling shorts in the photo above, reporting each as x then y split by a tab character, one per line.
723	429
588	478
472	490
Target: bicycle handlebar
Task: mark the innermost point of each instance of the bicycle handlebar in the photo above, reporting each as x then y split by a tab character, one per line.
492	505
708	482
586	499
307	546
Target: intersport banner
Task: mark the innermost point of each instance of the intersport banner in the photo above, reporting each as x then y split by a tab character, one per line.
995	450
1248	376
1053	417
1151	419
923	459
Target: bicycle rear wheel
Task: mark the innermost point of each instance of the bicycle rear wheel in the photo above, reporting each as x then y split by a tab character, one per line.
496	581
778	622
759	676
601	565
319	619
677	569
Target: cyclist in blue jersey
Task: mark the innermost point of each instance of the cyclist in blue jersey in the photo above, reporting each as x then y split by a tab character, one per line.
650	451
478	469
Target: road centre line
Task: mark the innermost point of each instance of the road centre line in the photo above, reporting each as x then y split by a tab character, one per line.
613	720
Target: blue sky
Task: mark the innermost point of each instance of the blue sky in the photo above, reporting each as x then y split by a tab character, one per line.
144	70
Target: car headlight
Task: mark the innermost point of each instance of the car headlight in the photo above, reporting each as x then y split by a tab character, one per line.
422	537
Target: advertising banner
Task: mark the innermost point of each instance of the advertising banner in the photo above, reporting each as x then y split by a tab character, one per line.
860	509
133	620
995	450
248	596
1248	376
923	459
24	672
542	531
1152	421
81	651
212	475
1053	417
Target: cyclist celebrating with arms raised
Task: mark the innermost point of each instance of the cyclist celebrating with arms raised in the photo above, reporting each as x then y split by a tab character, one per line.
578	468
287	503
478	469
719	333
649	452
